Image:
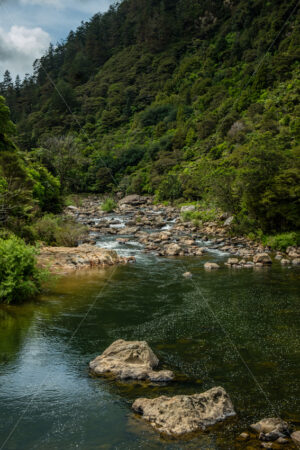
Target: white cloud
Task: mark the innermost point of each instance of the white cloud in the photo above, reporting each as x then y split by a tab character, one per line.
56	3
20	46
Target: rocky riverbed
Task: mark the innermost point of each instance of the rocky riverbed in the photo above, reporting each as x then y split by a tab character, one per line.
161	230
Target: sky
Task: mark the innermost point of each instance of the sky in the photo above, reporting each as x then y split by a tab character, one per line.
28	26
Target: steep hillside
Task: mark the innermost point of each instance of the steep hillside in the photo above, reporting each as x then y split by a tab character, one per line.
190	99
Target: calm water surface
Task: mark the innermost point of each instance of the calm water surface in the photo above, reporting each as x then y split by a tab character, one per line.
197	327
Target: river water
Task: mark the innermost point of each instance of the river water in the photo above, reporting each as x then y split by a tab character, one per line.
233	328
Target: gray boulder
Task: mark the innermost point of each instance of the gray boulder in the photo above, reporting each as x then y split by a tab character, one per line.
129	360
184	414
228	222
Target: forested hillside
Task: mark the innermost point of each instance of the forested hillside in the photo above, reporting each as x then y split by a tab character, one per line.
182	99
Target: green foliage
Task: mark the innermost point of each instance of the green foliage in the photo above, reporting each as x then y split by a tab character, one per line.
20	279
169	189
282	241
185	99
46	189
58	231
206	215
6	125
109	205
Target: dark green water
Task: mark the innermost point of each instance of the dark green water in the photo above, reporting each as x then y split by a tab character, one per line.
197	327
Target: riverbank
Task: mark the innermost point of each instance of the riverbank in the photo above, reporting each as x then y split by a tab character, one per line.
62	260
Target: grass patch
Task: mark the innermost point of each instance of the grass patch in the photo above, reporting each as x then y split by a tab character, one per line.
109	205
282	241
207	215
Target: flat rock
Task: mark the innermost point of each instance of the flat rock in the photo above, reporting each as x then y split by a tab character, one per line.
68	259
184	414
129	360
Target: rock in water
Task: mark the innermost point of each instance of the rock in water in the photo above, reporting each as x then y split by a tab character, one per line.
262	258
130	360
172	250
270	429
187	275
184	414
211	266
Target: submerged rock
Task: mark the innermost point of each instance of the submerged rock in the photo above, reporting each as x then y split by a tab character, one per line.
130	360
184	414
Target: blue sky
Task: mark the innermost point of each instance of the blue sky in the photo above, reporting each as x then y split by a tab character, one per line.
28	26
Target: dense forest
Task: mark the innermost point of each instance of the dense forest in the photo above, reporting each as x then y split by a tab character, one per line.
187	100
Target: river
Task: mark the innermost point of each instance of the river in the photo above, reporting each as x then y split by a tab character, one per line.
233	328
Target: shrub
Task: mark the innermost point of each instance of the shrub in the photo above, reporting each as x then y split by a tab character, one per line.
156	113
169	189
19	275
109	205
282	241
58	231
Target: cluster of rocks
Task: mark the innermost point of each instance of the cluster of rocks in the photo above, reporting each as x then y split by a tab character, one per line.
175	238
272	432
177	415
67	259
180	414
291	256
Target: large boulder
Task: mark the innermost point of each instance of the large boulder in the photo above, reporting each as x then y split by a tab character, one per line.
270	429
132	200
262	258
129	360
172	249
184	414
